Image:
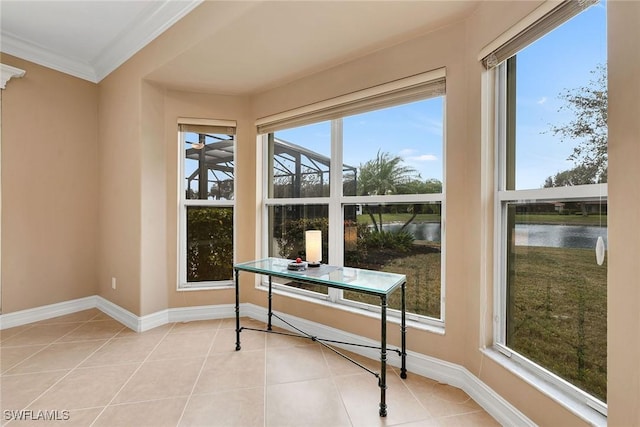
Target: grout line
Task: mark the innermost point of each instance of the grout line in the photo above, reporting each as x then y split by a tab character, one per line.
195	383
132	375
333	377
72	369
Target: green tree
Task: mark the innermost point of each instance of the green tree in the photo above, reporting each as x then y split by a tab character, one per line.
589	126
385	174
580	175
430	186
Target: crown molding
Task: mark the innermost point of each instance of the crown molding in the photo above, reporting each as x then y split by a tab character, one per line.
24	49
154	21
7	72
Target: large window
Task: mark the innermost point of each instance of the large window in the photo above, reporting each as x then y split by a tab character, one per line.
367	172
207	189
551	199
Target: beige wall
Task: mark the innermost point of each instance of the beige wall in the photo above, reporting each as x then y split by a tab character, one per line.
49	187
623	346
137	199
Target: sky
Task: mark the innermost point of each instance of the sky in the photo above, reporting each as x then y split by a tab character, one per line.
561	60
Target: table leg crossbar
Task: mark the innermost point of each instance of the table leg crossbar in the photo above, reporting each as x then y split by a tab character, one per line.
323	342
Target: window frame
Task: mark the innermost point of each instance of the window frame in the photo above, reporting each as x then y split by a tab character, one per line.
336	201
183	204
502	197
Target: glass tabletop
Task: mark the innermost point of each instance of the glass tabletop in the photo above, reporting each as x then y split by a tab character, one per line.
368	281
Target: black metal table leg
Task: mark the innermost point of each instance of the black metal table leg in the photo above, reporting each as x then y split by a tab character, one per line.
403	330
270	310
383	356
237	310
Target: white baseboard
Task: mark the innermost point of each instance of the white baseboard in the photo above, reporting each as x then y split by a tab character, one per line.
438	370
24	317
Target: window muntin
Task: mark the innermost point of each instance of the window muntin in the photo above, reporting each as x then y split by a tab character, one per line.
408	139
207	188
550	293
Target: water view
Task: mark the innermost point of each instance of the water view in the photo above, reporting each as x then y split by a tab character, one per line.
539	235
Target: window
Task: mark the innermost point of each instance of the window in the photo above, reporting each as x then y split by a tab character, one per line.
207	189
366	170
551	199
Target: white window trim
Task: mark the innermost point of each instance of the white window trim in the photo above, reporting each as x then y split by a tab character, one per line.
571	397
336	202
181	281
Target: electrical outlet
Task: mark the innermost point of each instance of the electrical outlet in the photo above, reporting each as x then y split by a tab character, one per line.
113	283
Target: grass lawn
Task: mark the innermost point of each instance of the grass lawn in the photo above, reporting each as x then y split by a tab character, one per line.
399	217
593	219
553	218
559	315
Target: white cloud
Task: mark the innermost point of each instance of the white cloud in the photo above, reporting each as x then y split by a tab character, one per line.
542	100
407	152
423	158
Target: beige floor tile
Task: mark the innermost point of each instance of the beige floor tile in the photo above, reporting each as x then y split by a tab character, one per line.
159	330
80	316
230	323
430	422
160	379
241	408
40	334
88	360
286	341
56	357
240	369
123	350
476	419
10	332
295	364
446	400
225	341
86	387
305	403
18	391
361	396
196	326
180	345
155	413
341	366
100	329
11	356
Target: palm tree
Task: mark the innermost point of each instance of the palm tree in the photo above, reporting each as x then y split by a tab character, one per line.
385	174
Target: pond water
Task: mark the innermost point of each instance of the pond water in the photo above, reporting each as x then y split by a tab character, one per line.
559	236
544	235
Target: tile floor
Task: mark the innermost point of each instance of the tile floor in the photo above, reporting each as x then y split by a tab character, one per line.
96	372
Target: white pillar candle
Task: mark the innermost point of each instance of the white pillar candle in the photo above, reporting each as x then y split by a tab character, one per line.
313	246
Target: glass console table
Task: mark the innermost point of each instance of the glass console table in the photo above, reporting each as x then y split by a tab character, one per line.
377	283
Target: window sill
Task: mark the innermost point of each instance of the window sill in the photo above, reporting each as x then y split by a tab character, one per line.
206	286
324	301
575	405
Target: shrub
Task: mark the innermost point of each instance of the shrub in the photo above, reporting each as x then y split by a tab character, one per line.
398	240
291	241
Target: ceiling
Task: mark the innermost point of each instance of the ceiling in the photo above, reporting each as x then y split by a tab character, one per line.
258	44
